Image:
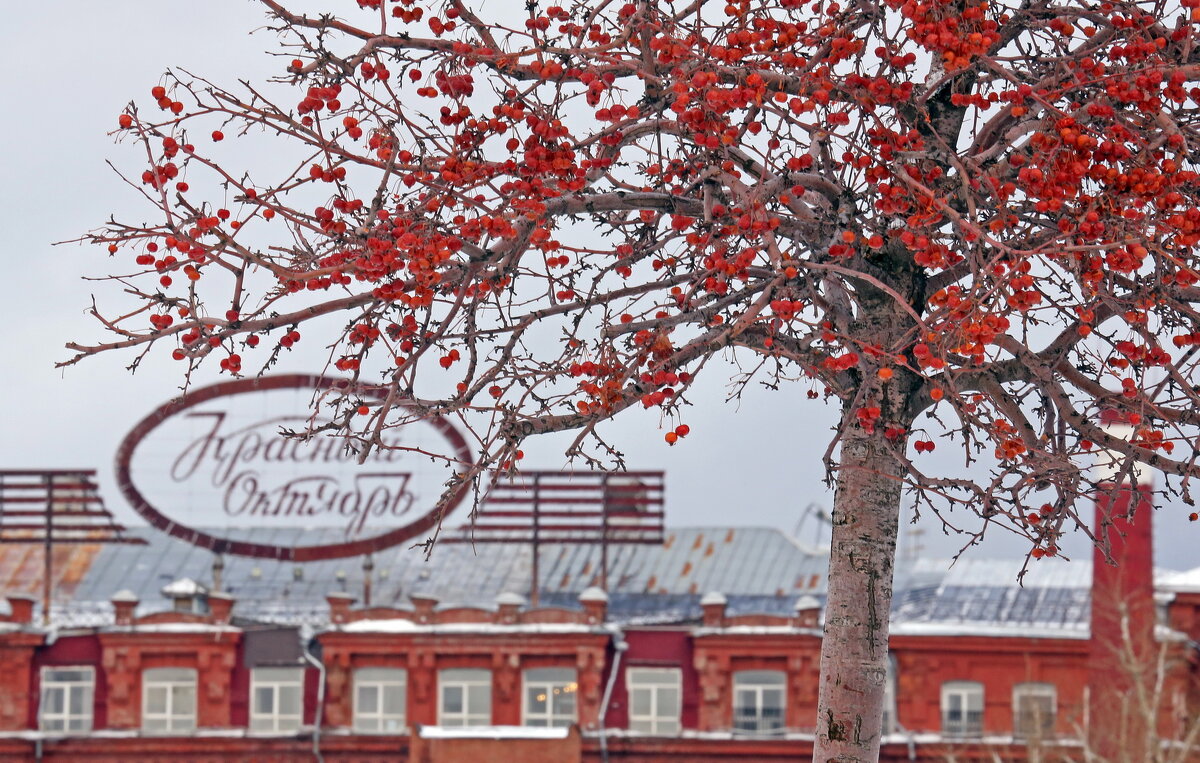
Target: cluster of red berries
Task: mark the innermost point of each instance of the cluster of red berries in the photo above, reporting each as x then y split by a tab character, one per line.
680	431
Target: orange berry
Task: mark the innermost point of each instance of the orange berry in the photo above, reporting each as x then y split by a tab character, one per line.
936	393
886	373
125	121
671	438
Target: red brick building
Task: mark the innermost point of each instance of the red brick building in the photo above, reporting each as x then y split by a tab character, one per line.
704	649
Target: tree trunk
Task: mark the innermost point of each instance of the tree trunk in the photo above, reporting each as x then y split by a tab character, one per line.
854	652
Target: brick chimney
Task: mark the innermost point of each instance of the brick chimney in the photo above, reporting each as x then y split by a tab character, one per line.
713	605
124	603
595	605
423	606
220	607
807	612
1123	610
339	606
20	608
508	607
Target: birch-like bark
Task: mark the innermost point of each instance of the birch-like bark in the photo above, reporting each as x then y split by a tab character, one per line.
854	652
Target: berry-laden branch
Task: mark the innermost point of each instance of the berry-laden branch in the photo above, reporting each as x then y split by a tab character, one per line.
972	223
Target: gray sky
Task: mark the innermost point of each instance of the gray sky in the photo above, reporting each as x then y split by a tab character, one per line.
69	68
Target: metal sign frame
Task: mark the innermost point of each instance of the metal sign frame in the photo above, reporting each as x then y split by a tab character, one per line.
393	537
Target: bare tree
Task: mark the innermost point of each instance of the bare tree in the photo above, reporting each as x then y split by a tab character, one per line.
966	222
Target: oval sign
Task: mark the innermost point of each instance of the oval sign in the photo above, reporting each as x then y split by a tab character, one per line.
210	465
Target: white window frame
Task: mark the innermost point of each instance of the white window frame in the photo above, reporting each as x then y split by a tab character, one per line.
466	680
1032	689
555	687
970	698
168	680
889	697
384	682
277	681
759	683
70	721
656	682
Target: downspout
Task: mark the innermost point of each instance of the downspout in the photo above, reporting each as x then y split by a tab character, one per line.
316	735
619	647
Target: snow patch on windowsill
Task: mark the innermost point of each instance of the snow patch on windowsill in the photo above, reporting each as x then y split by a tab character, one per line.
491	732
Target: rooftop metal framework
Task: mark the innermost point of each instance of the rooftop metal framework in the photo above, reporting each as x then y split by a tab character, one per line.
52	506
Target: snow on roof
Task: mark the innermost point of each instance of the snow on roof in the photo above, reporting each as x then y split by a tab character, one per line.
1006	630
183	587
1180	582
399	625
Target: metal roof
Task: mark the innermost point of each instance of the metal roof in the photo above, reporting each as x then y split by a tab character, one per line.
759	570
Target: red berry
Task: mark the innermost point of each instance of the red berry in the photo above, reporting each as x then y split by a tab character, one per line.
231	315
125	121
158	92
682	430
218	135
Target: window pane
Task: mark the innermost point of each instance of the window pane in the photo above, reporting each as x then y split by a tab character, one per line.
368	699
668	726
183	700
535	699
639	702
163	675
53	724
77	699
156	699
289	700
479	701
645	727
79	724
53	700
452	699
288	723
264	700
261	723
759	677
550	675
184	724
564	703
668	702
393	700
157	723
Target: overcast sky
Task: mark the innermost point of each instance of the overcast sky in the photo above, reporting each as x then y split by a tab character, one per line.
69	68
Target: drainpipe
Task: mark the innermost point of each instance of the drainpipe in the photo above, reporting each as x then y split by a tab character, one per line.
316	736
619	647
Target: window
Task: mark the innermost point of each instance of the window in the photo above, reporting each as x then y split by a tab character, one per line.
465	697
889	697
169	699
758	700
1034	706
66	703
379	699
550	697
654	699
276	699
962	708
